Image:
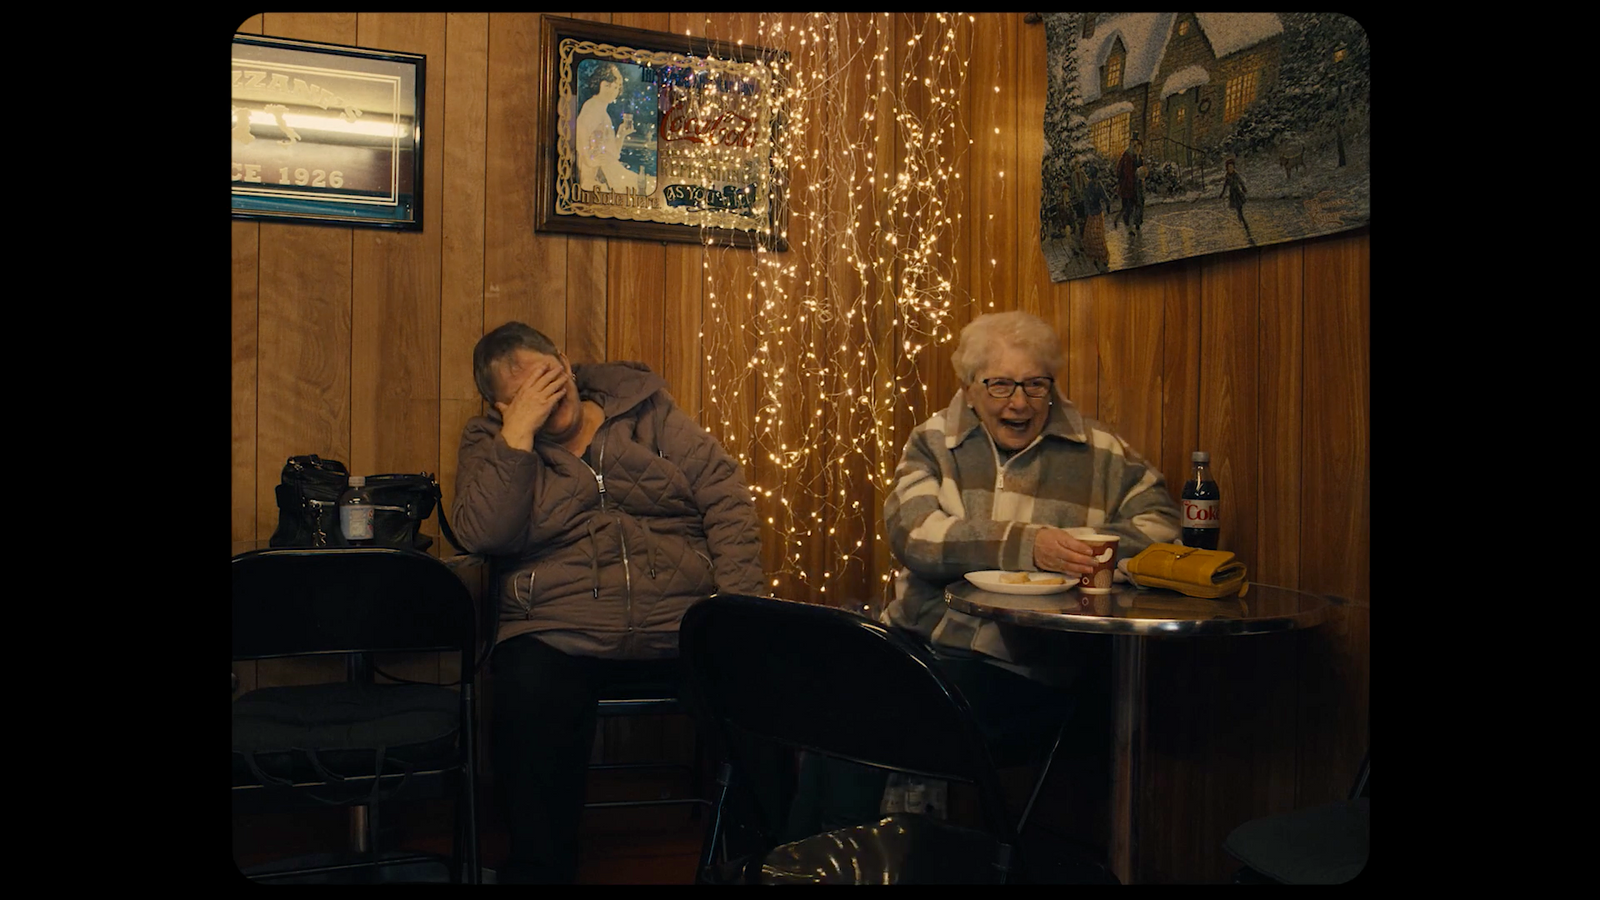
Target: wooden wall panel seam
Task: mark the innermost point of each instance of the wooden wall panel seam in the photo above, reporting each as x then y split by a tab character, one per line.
1304	404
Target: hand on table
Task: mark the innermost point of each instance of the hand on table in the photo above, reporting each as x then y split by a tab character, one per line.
1054	550
531	405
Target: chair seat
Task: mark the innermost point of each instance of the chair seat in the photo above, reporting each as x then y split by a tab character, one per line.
344	724
1326	844
904	848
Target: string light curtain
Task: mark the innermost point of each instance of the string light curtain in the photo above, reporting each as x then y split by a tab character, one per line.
814	356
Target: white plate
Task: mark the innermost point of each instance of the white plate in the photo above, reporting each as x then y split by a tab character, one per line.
989	580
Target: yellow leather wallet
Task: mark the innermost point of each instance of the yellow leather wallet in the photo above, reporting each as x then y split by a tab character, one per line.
1189	570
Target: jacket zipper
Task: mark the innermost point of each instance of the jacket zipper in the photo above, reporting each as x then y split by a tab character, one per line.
594	559
622	535
527	608
627	575
600	482
649	547
1000	467
649	536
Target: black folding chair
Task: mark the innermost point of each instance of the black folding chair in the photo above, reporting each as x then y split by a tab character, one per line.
831	682
658	700
619	701
355	743
1324	844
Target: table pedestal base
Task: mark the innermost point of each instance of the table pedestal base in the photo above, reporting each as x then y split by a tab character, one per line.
1129	615
1127	750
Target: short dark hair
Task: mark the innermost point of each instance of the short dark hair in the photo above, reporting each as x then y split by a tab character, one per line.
499	345
603	72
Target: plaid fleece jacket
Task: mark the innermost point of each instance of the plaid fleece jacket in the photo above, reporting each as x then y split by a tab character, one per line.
956	508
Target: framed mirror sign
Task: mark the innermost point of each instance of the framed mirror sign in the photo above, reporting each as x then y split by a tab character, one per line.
657	136
327	134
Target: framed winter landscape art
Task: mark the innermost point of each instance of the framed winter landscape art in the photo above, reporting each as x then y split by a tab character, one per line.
1170	135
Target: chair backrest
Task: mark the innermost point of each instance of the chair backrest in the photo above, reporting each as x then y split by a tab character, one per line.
294	602
830	681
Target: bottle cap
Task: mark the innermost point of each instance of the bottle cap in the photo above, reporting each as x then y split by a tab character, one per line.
1200	456
358	481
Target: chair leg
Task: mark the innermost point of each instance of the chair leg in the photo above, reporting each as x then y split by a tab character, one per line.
467	817
694	776
474	864
458	843
372	841
463	856
708	851
1002	863
1038	784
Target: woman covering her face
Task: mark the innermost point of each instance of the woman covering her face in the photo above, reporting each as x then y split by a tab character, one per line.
607	511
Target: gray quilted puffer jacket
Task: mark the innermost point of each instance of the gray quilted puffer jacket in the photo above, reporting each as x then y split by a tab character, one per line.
608	574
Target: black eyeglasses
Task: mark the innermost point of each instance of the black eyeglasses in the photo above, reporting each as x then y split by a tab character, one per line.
1003	388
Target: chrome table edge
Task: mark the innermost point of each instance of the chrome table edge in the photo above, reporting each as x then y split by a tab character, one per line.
1149	626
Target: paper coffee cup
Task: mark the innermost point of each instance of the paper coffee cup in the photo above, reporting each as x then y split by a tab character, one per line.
1104	549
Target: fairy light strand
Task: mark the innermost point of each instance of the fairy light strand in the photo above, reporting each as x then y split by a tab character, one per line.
812	354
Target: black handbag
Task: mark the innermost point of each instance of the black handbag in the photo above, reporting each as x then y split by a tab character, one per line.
308	506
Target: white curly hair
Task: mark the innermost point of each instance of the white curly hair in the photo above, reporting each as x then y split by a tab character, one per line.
1022	331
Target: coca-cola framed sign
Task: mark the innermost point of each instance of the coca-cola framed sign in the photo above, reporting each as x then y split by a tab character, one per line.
658	137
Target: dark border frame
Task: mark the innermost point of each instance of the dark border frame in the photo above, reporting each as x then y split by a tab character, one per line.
308	210
553	30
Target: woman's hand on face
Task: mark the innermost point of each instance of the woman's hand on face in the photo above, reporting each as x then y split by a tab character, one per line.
531	405
1054	550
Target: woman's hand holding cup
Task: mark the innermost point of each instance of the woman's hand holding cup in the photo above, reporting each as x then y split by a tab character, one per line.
1056	550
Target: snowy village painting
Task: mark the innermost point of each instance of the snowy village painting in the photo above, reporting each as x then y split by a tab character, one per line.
1170	135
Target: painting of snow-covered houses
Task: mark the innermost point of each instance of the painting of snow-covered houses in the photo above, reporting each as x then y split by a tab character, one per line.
1170	135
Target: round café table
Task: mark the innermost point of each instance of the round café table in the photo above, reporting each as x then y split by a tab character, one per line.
1130	616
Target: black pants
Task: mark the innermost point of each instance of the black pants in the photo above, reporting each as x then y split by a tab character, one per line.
542	734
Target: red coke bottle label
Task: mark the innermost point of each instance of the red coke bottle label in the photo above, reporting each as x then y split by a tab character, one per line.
1201	514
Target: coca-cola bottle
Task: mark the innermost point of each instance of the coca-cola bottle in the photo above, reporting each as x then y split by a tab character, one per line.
1202	505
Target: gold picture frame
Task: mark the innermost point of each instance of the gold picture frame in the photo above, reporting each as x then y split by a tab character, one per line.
656	136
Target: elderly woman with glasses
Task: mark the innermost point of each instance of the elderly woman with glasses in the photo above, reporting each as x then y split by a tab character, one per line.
999	480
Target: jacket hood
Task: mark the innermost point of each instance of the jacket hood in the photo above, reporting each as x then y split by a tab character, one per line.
618	386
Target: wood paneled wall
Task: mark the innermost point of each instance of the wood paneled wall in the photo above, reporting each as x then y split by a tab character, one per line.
356	344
